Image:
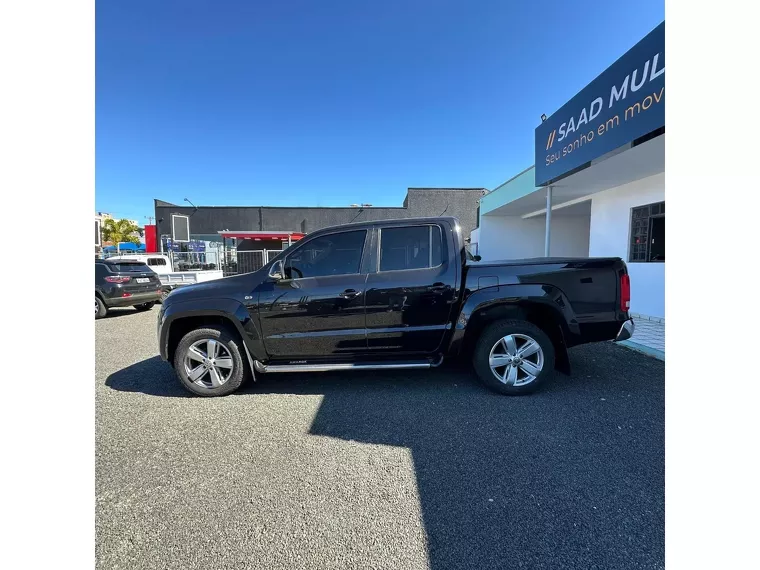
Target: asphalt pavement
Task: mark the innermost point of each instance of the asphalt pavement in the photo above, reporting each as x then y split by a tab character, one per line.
420	469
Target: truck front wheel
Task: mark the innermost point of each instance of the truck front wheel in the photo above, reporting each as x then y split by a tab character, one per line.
513	357
209	361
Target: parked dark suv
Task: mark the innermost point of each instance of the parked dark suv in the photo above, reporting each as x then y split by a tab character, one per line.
124	284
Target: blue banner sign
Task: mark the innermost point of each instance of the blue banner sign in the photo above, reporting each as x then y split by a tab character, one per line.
624	103
193	245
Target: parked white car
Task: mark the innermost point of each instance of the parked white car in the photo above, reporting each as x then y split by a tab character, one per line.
170	279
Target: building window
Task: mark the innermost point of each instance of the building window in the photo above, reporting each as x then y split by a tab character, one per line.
647	233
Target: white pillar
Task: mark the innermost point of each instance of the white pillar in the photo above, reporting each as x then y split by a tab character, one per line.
547	239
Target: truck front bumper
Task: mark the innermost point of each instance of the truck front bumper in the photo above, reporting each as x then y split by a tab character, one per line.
626	331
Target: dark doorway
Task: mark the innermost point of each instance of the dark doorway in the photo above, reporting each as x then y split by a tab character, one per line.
657	239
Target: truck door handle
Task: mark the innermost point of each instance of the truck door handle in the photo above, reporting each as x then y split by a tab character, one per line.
350	293
438	288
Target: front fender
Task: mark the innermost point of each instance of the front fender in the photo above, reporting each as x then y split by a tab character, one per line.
513	296
230	309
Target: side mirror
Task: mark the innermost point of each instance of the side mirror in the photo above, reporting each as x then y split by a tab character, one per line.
476	257
277	271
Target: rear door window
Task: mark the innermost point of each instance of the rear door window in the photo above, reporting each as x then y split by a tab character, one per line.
414	247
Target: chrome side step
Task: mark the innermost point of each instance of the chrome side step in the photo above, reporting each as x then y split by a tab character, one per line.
266	368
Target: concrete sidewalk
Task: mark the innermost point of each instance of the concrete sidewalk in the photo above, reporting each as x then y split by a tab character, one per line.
649	336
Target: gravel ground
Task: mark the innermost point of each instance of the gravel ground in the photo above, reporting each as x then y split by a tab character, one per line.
423	469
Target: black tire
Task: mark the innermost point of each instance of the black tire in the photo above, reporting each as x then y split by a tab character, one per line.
145	306
231	342
499	330
100	308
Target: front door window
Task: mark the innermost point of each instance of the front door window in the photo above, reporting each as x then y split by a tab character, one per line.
334	254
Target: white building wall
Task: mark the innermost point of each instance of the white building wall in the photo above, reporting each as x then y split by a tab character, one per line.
511	237
474	241
610	232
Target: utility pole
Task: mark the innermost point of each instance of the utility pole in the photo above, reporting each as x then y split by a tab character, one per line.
150	219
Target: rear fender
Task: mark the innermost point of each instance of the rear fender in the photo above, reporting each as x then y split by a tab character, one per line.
515	301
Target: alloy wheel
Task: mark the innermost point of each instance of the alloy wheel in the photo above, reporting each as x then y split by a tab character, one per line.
208	363
516	359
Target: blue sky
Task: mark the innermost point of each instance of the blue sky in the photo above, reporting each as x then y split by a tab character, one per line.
328	102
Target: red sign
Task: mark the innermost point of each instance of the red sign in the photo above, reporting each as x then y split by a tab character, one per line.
150	239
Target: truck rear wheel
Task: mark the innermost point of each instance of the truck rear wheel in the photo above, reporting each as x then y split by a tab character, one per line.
513	357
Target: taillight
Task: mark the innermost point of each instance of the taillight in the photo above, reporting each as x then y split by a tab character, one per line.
117	279
625	292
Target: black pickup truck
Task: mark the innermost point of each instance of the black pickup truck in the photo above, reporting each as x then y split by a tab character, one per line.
394	294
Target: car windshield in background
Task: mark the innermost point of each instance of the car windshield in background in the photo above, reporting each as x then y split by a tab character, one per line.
127	267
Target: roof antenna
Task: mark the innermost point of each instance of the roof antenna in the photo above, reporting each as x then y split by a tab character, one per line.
444	211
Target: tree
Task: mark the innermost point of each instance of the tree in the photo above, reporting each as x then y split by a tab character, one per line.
119	231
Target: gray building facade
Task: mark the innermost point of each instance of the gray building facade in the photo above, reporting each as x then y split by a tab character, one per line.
206	221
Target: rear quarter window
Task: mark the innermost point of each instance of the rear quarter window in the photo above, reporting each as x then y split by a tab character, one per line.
410	247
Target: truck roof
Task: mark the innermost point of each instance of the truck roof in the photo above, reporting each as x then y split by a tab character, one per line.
396	221
134	256
119	259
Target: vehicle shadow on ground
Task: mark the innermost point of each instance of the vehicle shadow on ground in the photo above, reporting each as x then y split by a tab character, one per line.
121	312
152	376
569	477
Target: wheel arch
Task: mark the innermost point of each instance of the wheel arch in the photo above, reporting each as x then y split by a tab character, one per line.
496	306
178	322
180	326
